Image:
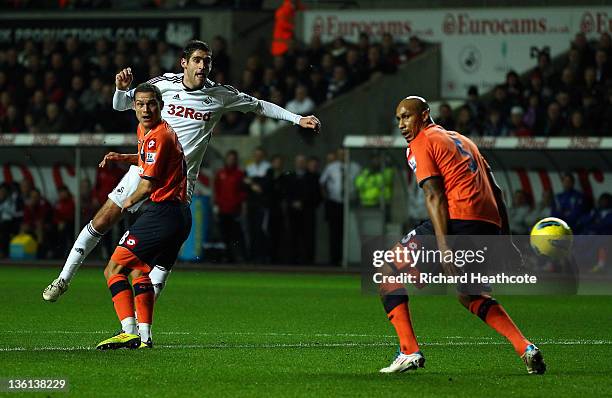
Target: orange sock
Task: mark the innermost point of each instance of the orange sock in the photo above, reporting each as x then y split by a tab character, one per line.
122	296
496	317
144	298
399	315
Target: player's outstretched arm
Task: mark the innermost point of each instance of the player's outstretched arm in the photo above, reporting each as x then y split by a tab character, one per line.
131	158
121	100
276	112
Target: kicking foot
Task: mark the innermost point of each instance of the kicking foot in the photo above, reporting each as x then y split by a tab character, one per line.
55	290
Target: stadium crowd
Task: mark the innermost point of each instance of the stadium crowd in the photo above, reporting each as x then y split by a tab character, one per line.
570	99
53	87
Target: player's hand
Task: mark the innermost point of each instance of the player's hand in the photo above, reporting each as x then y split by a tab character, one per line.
127	204
123	79
110	157
311	122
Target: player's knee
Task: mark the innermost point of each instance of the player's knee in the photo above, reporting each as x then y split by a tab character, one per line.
112	268
106	217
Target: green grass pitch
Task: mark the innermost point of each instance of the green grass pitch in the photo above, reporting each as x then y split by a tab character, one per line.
269	334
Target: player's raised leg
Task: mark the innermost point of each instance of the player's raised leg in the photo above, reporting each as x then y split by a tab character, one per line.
494	315
108	215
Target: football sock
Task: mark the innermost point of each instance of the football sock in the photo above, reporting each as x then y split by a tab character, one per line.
145	300
158	276
494	315
123	300
398	313
84	244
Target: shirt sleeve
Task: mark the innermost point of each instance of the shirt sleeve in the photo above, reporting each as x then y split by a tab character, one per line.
153	157
426	166
235	100
123	100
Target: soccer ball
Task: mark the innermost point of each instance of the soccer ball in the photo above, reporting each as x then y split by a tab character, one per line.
551	237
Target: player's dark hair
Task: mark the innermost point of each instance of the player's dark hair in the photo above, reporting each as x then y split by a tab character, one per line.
194	45
149	88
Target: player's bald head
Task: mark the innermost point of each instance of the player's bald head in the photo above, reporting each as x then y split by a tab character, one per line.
414	103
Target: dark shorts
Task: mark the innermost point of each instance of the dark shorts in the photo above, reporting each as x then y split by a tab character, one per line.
463	233
155	238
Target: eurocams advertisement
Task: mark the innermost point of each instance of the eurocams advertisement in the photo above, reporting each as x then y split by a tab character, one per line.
478	47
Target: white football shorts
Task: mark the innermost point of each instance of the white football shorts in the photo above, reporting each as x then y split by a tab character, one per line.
125	188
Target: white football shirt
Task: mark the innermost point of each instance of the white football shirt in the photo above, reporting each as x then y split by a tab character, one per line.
194	113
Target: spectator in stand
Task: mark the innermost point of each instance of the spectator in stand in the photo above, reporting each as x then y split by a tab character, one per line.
38	106
537	87
581	44
554	123
513	88
355	67
545	68
445	117
38	220
332	186
303	198
12	122
389	50
75	119
230	196
495	125
576	126
302	69
258	188
569	204
606	112
53	88
574	62
475	106
500	102
465	124
567	81
517	126
518	213
54	122
602	67
564	100
605	43
318	86
363	45
339	84
377	64
599	220
315	50
7	216
415	47
277	219
63	220
301	103
590	85
534	117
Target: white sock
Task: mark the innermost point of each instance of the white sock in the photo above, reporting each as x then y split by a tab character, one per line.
128	325
84	244
158	276
144	329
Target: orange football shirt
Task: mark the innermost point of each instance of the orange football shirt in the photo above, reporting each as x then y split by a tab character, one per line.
436	152
161	159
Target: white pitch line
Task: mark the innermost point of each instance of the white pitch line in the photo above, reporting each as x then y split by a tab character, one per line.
312	345
273	334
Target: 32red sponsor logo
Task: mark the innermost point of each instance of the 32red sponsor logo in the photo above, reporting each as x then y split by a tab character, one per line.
188	113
